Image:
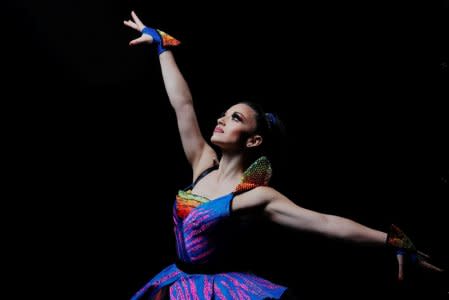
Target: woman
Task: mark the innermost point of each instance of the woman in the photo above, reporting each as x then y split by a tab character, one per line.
229	188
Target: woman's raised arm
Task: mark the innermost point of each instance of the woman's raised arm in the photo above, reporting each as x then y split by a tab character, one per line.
198	152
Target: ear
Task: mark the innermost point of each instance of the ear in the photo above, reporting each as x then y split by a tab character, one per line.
254	141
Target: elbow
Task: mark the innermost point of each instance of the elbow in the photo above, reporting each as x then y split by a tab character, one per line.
325	225
330	226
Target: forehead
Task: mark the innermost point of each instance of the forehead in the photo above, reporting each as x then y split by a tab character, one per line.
244	109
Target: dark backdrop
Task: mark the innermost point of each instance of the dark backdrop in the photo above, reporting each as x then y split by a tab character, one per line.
96	160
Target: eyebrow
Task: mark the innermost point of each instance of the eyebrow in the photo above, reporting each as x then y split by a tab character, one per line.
240	114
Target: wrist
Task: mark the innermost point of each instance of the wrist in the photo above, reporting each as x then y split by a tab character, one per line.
160	38
397	239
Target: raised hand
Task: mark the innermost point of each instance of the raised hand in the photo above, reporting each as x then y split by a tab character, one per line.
136	24
150	35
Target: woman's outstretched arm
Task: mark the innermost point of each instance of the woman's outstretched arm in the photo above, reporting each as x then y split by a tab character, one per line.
198	152
283	211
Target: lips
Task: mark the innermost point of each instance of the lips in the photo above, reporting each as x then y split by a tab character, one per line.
218	129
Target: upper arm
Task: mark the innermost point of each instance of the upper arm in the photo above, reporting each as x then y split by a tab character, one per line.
277	208
198	152
283	211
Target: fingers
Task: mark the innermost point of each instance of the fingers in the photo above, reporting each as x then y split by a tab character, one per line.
131	24
135	23
137	20
400	259
429	266
423	254
144	38
422	261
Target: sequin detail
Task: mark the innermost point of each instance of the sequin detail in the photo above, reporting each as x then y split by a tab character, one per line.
258	174
168	40
186	201
397	238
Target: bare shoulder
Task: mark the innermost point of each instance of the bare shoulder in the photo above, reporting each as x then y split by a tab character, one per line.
258	197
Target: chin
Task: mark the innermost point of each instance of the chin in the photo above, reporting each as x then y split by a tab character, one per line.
214	137
215	141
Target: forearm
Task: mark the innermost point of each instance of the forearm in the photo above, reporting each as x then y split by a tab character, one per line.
176	86
283	211
343	228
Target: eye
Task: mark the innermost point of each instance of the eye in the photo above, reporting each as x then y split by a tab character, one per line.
236	117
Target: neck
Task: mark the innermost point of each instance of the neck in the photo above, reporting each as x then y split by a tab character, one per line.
231	167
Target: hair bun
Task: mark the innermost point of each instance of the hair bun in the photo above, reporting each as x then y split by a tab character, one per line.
271	119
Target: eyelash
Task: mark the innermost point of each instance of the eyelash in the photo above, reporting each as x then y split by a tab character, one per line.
234	116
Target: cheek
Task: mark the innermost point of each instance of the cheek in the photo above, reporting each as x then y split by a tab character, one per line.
239	134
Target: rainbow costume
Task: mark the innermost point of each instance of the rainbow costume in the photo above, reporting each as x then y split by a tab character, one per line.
202	236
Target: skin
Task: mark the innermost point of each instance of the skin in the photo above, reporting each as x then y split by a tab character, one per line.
234	135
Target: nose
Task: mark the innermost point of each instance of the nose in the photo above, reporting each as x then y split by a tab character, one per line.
220	121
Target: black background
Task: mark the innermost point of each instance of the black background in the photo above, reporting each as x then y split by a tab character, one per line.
96	160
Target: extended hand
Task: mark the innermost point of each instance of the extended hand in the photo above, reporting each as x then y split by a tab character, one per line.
136	24
419	258
406	252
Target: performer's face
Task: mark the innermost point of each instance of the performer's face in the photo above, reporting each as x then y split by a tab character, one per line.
234	127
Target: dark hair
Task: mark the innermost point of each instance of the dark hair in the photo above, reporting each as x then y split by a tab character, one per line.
272	130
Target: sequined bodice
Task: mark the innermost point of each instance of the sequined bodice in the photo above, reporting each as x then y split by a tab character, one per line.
204	230
199	221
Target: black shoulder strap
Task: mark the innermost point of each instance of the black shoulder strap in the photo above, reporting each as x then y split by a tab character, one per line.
204	173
